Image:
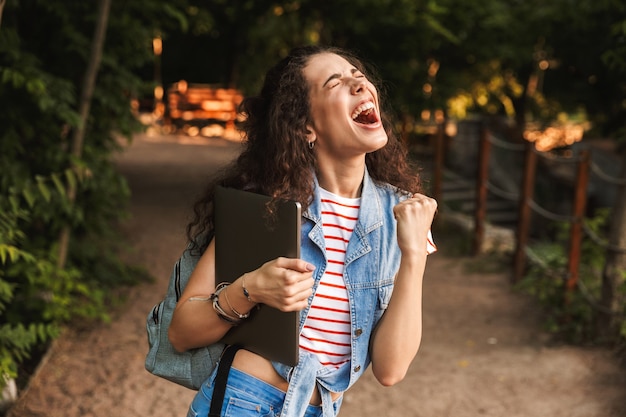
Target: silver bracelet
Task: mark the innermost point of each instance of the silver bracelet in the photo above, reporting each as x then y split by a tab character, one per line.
238	314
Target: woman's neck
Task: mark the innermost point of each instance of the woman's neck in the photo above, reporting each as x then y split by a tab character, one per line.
345	181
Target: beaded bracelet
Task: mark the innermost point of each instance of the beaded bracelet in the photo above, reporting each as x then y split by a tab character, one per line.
218	308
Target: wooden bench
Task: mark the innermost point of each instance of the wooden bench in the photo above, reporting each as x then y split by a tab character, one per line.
201	104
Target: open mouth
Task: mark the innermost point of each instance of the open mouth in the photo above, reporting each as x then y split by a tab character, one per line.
365	114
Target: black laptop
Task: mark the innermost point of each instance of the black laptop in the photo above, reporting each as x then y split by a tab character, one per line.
245	238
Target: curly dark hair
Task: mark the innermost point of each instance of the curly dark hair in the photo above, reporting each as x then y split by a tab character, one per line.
276	160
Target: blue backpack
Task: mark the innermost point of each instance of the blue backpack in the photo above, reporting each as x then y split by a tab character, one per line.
191	368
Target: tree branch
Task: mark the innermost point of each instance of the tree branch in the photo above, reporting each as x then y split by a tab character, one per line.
78	138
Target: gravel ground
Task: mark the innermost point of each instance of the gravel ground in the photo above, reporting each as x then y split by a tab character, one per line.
483	352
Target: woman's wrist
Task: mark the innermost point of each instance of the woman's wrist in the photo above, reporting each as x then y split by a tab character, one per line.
242	295
240	316
229	304
414	254
244	289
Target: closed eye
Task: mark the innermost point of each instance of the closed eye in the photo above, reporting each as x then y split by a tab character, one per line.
357	74
335	79
361	76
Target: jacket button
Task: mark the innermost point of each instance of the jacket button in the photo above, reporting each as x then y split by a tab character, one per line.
357	368
358	332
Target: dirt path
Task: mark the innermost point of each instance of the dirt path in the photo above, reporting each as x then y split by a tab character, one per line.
483	352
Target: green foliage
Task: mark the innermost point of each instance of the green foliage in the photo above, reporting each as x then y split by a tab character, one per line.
36	296
568	314
545	281
556	52
17	338
16	342
44	48
533	60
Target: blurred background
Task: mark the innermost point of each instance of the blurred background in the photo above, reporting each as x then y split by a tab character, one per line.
515	111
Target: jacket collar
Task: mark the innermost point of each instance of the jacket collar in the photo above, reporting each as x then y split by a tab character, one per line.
370	214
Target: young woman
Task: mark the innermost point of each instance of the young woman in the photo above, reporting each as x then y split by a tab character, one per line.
317	134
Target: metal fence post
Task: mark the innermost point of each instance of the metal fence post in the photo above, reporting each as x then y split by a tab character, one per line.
576	230
523	226
481	190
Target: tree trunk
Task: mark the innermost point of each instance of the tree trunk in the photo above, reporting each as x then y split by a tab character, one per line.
614	274
78	138
2	4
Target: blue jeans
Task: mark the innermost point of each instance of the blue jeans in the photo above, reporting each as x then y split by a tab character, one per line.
246	396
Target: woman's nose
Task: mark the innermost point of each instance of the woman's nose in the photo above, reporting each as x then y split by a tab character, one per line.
358	86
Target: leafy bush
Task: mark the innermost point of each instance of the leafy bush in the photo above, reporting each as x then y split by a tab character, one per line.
569	314
44	48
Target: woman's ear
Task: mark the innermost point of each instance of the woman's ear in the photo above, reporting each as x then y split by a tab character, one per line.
310	134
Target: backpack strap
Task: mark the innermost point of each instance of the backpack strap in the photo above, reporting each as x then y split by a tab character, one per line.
221	379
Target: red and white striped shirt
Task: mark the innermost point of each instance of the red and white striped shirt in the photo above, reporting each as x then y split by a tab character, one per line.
326	331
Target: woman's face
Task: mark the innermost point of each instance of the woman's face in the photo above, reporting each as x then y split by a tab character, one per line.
345	111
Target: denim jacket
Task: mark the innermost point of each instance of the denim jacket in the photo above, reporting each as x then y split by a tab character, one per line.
372	261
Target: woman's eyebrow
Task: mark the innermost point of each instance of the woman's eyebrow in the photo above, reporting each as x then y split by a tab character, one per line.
332	77
337	75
